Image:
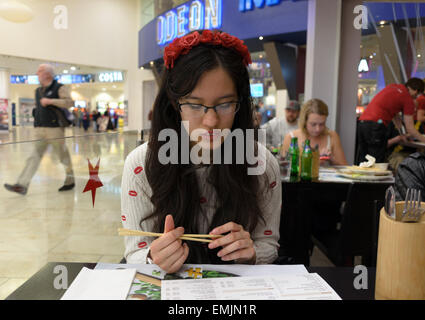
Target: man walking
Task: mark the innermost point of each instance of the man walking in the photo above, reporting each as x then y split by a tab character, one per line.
49	122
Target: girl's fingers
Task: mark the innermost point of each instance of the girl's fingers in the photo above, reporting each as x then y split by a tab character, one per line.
180	261
171	260
227	227
246	254
229	238
235	246
166	239
169	223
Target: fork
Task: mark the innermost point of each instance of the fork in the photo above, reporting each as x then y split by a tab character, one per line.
412	205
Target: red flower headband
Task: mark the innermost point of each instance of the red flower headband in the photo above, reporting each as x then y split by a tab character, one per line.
184	44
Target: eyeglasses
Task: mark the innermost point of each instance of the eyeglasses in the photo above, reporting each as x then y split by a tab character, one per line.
198	110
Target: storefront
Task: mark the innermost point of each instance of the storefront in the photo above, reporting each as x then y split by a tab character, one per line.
92	89
255	22
392	48
285	23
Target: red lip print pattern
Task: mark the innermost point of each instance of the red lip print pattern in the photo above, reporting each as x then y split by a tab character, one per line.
268	233
123	218
132	193
142	244
273	184
203	200
138	170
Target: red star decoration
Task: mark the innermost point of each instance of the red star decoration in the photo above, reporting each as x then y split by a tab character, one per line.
94	181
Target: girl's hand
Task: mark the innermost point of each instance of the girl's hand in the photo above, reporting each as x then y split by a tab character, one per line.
237	245
167	251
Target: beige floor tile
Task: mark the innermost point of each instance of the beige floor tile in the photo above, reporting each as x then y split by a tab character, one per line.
59	257
111	259
20	264
101	245
9	286
47	225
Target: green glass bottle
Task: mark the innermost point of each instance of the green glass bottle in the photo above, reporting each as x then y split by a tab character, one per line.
306	162
294	158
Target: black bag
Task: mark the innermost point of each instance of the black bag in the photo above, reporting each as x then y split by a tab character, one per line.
62	116
410	174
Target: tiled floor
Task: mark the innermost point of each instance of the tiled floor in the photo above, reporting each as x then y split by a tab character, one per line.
47	225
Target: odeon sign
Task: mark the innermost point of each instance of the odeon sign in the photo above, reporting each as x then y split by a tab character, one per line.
195	15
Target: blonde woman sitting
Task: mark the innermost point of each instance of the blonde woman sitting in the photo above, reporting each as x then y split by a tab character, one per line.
312	126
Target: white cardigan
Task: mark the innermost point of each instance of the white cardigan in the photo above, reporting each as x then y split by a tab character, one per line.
136	205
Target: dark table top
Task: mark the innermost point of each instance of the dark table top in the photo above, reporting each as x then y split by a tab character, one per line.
41	285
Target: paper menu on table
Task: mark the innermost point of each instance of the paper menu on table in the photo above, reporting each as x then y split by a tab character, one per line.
100	285
236	269
286	287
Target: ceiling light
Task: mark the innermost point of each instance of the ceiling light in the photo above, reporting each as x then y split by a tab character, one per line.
141	68
371	56
73	68
261	56
382	22
16	12
65	71
151	63
260	37
418	55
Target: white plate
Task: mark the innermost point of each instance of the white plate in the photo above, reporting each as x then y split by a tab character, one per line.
362	177
366	172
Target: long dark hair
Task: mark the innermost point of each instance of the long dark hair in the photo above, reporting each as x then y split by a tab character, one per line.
175	188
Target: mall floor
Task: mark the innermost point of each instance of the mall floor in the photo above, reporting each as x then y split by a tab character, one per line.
46	225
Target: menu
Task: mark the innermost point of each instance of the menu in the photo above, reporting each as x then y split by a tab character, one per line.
285	287
223	282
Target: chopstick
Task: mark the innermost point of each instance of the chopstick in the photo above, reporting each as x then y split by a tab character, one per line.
189	237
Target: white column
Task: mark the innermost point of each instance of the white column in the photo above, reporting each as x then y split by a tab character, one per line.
322	59
281	102
348	79
133	91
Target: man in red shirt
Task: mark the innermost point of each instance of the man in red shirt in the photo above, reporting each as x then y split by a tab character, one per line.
420	107
384	108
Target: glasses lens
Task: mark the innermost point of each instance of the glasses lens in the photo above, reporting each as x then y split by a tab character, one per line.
198	110
192	110
226	108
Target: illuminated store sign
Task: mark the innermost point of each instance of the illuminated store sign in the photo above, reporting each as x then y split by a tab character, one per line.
195	15
61	78
363	66
115	76
247	5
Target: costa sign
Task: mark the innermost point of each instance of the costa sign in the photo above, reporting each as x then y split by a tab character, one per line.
194	15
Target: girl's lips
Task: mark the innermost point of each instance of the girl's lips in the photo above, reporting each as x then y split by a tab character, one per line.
211	135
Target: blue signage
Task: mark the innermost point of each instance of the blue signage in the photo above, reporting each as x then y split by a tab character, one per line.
61	78
257	90
248	5
288	20
194	15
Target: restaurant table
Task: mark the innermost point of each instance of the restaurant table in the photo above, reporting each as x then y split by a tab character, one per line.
41	285
358	204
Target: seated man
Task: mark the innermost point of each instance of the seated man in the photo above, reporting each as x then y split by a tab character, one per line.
277	128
